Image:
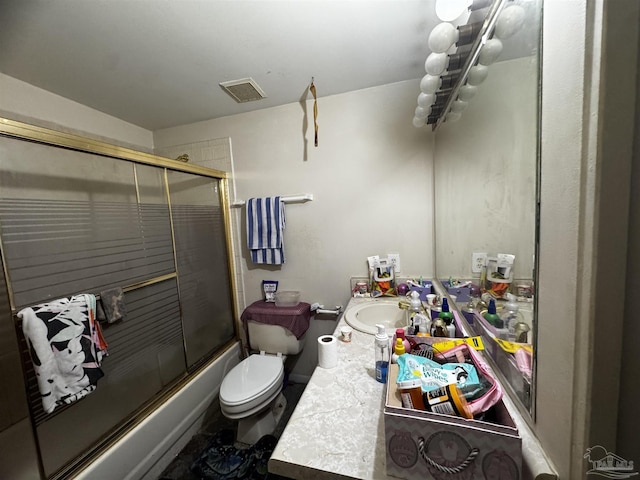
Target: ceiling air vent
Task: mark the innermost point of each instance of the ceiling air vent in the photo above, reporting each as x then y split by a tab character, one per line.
243	90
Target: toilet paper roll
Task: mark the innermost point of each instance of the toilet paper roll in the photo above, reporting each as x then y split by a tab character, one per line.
327	351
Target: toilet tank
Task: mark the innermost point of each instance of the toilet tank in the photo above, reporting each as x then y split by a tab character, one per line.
273	339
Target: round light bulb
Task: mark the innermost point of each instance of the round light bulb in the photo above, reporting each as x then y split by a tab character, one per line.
442	37
430	84
459	106
509	21
421	112
477	75
425	100
418	122
490	51
453	117
449	10
436	63
467	92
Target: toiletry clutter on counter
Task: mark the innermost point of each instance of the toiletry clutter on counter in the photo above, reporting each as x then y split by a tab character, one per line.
444	417
443	376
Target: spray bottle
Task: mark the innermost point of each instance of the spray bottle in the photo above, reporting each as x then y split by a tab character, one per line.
491	316
381	354
447	316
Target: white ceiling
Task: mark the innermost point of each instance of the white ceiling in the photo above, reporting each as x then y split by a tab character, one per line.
158	63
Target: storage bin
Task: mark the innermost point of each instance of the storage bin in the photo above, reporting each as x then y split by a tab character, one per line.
425	445
462	293
424	290
289	298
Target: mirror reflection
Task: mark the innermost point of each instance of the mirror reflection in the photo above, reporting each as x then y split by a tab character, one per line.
485	190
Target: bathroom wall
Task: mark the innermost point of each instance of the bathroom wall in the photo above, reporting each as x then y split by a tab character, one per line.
26	103
371	177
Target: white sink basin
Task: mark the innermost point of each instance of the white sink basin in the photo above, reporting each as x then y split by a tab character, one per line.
365	315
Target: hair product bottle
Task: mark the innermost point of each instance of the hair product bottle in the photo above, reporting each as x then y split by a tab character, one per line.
491	316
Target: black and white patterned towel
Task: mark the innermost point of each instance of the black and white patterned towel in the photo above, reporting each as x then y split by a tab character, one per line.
66	348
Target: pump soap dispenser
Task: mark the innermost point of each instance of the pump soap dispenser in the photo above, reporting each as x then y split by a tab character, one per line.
381	354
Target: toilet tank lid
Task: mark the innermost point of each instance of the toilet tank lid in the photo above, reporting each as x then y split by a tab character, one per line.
295	319
251	378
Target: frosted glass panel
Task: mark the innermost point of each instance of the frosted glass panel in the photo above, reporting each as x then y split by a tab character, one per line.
205	294
74	222
67	229
145	355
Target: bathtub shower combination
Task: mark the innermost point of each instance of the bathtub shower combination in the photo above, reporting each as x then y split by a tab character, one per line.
91	217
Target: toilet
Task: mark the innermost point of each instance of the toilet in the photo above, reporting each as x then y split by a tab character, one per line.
251	392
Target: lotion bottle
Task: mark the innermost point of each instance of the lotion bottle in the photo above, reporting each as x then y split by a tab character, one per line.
398	349
400	333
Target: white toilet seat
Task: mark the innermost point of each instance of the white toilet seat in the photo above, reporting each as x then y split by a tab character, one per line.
251	385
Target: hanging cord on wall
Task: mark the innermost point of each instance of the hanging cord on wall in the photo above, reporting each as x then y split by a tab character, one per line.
312	87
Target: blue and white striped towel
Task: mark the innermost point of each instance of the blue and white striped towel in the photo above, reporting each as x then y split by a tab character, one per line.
265	225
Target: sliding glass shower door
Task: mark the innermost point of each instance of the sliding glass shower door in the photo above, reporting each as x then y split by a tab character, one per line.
78	222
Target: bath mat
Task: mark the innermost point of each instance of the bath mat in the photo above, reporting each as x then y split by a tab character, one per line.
221	460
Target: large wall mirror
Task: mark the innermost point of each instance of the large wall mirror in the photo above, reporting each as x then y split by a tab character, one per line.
486	171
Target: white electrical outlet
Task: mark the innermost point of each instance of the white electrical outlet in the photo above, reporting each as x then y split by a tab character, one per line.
394	259
478	260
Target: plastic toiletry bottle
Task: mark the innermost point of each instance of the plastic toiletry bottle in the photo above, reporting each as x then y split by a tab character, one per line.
521	332
421	324
447	316
424	328
469	310
381	354
415	307
435	308
411	394
398	349
491	316
448	400
401	334
439	328
511	314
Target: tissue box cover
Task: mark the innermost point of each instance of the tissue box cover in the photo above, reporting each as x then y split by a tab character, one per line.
425	445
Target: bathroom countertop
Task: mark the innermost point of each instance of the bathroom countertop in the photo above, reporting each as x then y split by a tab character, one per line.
337	428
